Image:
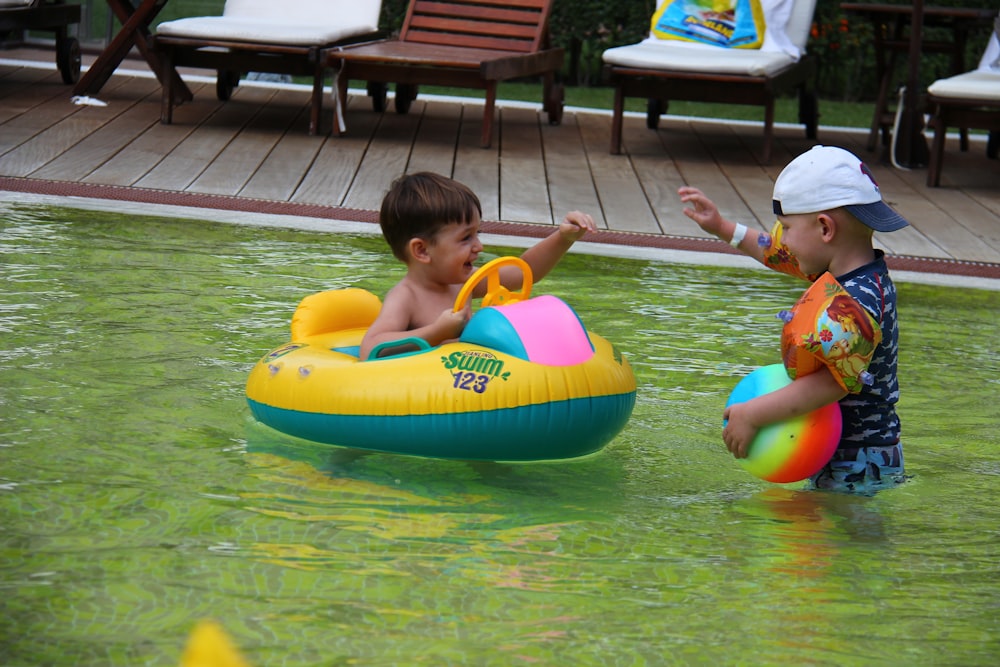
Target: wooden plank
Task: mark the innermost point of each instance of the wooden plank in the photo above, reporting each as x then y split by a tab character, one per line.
238	161
524	193
10	70
736	150
284	167
789	143
336	165
62	126
147	150
957	222
571	187
24	126
658	176
129	146
386	158
25	88
100	146
989	199
623	202
970	170
697	167
203	146
475	166
434	147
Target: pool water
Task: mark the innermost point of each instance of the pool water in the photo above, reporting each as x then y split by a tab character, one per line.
138	496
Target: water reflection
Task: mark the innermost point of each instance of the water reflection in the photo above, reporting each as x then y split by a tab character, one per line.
477	522
803	533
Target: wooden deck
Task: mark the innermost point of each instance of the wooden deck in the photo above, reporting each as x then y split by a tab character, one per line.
253	153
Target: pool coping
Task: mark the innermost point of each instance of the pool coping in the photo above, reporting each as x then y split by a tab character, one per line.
657	247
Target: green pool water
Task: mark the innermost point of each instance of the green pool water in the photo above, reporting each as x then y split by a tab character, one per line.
137	495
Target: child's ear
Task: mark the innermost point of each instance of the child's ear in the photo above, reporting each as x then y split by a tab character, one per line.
418	250
828	226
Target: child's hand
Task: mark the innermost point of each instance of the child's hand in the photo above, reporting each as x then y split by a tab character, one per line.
740	430
450	324
703	210
575	225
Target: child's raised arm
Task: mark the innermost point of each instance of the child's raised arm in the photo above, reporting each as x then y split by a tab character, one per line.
545	254
704	212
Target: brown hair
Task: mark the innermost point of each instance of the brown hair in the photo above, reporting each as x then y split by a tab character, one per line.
419	205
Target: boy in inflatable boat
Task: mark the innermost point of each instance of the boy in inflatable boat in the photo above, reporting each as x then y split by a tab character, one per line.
431	224
828	206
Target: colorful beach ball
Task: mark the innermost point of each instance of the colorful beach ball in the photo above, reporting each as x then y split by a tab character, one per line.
791	450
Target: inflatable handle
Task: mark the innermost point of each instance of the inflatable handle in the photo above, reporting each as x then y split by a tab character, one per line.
496	294
407	344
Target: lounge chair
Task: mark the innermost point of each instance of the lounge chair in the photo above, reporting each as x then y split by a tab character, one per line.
289	37
463	43
969	100
57	16
669	69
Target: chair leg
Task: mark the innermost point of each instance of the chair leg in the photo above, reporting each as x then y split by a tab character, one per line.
881	102
809	111
316	103
167	87
616	121
491	99
553	98
768	130
937	151
548	79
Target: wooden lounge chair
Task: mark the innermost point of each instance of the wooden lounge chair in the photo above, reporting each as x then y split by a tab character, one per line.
665	69
463	43
289	37
57	16
969	100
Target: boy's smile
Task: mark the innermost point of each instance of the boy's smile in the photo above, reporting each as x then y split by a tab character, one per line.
454	251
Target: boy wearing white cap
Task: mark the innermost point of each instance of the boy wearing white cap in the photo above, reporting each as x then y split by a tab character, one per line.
828	206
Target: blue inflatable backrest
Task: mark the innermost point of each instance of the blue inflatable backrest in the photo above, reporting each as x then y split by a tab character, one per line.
543	330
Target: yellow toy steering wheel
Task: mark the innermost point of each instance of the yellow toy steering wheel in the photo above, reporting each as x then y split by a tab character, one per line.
496	293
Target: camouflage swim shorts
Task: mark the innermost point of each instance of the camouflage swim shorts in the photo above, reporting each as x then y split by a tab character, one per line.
862	470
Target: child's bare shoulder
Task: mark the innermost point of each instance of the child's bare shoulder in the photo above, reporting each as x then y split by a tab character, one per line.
402	297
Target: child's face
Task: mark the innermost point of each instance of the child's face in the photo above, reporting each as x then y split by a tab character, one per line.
803	234
454	250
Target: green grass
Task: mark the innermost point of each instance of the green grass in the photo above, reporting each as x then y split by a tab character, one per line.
832	113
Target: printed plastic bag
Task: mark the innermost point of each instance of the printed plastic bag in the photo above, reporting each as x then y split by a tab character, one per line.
726	23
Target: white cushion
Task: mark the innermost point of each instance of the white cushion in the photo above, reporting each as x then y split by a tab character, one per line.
292	22
977	85
653	53
788	24
8	4
980	84
306	11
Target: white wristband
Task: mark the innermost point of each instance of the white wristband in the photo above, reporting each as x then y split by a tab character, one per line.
738	234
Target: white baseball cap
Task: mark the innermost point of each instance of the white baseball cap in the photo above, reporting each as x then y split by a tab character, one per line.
828	177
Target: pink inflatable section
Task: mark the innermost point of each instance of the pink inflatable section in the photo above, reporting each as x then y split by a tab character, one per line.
550	331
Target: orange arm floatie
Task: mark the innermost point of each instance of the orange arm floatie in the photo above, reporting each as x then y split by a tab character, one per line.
827	327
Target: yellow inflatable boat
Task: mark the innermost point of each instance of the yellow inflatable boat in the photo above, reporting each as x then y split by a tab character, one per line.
526	381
